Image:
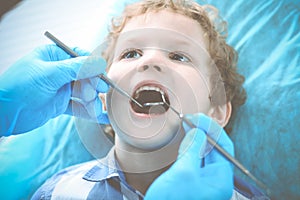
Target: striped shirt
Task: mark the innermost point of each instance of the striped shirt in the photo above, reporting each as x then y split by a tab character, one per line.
100	179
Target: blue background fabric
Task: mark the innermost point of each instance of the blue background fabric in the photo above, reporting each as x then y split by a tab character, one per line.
266	35
266	130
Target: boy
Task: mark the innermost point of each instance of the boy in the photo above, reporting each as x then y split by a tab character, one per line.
163	53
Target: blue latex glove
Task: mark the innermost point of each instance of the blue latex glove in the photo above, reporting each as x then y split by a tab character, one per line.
38	87
186	179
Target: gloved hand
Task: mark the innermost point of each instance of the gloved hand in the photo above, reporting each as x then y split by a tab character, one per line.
186	178
38	87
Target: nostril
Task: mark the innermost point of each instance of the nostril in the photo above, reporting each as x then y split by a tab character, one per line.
145	67
157	68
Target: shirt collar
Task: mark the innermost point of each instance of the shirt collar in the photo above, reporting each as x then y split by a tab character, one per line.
106	168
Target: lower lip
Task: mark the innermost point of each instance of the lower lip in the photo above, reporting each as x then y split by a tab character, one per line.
143	115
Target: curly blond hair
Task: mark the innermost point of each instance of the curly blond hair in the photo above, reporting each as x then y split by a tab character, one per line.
223	56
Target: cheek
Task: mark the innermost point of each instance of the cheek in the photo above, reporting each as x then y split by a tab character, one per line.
115	71
193	90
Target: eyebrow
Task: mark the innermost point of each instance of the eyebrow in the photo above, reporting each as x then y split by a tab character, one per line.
126	42
141	42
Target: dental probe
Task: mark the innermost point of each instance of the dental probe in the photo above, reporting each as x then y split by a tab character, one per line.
210	140
64	47
121	91
72	53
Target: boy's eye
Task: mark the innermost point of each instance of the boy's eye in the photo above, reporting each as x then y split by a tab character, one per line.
131	53
179	57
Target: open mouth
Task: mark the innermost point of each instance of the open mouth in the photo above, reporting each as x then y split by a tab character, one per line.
152	97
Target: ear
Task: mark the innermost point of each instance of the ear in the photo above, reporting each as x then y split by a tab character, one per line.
221	113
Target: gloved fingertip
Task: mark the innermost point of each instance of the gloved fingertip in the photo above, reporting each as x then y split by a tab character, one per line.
70	68
102	86
49	52
93	66
103	118
99	85
200	120
100	114
186	127
81	52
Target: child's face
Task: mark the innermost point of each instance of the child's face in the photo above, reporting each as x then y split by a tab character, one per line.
158	56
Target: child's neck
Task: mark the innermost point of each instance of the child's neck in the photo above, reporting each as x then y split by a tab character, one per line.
142	168
142	181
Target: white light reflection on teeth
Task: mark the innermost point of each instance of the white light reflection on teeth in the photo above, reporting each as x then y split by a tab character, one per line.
148	88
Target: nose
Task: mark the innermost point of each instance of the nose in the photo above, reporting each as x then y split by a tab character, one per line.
152	60
146	67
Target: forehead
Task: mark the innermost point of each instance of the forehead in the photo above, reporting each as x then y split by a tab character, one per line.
168	20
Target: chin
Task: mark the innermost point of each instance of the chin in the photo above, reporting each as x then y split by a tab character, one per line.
168	135
147	132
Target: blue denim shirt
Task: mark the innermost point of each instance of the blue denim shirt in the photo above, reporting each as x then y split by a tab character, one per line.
103	179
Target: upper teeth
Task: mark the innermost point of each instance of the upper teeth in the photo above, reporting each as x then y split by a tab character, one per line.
150	88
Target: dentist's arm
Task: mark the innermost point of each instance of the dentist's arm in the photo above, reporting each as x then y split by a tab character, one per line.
38	87
186	178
